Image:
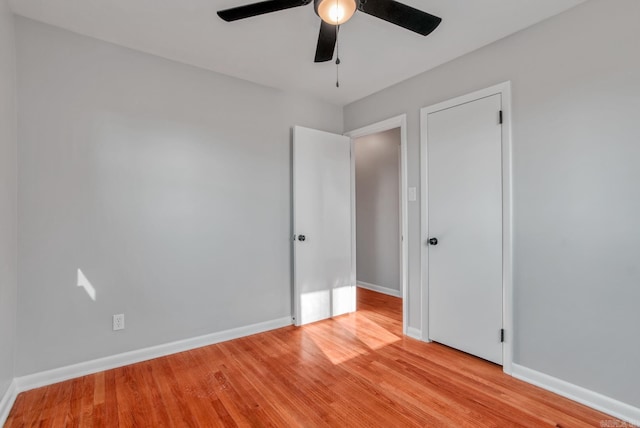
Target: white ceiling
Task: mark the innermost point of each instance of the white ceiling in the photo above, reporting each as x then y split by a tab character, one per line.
277	49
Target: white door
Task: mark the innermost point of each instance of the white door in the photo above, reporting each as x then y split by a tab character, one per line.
464	165
322	215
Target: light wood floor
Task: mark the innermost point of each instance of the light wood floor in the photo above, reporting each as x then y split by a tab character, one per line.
355	370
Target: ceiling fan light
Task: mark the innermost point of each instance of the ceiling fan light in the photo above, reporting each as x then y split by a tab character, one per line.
335	12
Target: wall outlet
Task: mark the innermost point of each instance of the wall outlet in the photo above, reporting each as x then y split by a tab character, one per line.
118	322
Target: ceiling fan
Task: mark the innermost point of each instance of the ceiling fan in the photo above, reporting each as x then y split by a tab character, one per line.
336	12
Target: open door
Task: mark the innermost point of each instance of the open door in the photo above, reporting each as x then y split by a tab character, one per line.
322	224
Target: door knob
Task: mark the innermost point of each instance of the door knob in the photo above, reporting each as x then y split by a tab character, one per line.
301	237
433	241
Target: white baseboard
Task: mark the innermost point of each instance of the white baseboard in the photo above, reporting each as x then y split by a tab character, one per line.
595	400
36	380
380	289
414	333
7	400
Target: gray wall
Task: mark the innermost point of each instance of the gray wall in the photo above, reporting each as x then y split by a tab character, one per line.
8	204
167	185
377	159
576	166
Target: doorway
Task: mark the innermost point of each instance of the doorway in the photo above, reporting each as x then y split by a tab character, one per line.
379	206
378	235
466	223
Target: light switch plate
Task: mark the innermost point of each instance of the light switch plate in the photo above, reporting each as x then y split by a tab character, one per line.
413	196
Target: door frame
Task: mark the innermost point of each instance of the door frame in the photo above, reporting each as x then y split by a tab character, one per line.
374	128
504	89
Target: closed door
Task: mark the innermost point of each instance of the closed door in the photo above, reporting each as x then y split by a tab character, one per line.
464	160
322	217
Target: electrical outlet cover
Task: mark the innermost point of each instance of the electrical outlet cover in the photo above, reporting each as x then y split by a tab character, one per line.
118	322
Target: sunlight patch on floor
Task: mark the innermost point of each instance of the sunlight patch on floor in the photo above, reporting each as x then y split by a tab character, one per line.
335	337
369	332
326	336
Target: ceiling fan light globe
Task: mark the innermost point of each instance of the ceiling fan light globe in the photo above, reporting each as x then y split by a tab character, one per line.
335	12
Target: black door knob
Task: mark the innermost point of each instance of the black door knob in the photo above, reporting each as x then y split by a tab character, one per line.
301	237
433	241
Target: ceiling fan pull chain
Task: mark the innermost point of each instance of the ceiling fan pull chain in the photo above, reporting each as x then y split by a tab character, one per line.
337	57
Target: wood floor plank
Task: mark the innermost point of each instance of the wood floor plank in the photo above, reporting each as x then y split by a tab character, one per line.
353	370
87	398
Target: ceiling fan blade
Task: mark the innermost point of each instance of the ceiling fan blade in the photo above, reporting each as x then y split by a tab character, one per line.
255	9
402	15
326	42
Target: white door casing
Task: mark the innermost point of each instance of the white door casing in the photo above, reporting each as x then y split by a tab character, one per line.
466	191
322	224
